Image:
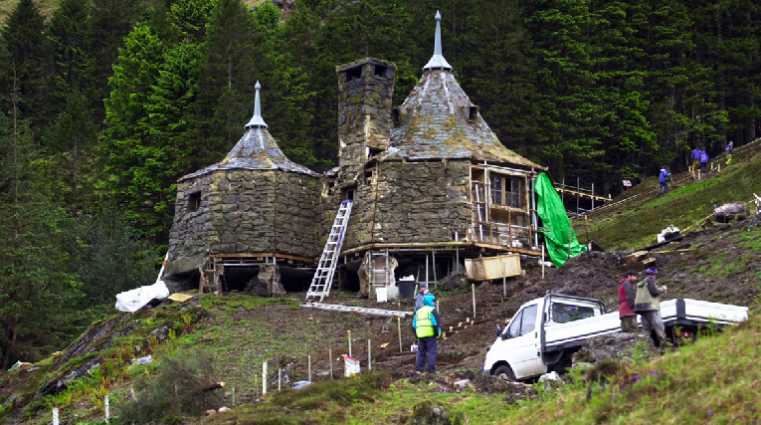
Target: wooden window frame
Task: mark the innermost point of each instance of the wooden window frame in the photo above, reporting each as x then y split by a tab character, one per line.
503	190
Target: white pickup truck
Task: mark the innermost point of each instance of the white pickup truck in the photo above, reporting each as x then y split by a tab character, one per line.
545	332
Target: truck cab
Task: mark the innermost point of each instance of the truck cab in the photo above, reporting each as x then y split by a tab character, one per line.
517	352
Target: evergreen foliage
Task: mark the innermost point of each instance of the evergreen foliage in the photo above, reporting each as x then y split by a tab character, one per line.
116	99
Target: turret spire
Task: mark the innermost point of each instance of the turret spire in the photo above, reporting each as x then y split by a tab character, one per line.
437	60
257	120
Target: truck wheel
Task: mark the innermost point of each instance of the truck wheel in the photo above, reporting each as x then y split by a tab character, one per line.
505	372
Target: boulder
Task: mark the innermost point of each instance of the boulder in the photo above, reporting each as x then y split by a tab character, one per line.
433	413
729	212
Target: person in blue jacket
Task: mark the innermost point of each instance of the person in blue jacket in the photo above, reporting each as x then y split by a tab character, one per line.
696	159
427	326
663	180
728	150
703	161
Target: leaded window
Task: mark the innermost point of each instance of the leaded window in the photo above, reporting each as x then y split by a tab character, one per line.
505	191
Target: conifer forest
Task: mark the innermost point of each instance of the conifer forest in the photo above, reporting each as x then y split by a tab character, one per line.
104	104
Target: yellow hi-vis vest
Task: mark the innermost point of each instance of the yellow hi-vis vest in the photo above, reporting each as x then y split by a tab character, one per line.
424	323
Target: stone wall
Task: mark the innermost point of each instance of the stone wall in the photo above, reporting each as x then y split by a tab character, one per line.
422	201
365	89
242	211
188	237
297	226
408	202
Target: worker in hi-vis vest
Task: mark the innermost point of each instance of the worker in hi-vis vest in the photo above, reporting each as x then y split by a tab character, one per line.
427	326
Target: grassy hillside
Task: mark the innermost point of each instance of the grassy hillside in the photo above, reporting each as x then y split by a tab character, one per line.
715	380
635	224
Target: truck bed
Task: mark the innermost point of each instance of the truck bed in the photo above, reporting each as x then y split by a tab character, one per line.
677	312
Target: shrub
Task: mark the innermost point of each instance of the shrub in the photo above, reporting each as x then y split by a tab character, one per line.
181	387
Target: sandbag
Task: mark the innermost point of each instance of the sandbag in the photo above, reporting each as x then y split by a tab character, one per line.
729	212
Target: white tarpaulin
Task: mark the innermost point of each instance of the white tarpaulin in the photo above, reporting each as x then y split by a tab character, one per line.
133	300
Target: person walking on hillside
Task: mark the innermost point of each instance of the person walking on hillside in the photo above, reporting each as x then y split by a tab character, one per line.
703	161
728	150
626	294
419	297
647	303
427	327
696	159
664	181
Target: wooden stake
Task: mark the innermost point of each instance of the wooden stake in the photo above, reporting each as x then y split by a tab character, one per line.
309	368
473	288
349	333
399	328
264	378
504	279
55	416
279	378
330	360
542	262
369	356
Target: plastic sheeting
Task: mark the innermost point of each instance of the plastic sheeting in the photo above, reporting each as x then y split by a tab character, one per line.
133	300
556	226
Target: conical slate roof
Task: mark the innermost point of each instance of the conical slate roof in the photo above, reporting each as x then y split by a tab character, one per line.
438	121
256	150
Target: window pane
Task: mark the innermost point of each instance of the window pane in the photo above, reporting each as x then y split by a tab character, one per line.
515	327
516	185
516	200
529	319
564	313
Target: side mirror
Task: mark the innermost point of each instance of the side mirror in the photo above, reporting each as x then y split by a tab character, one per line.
499	330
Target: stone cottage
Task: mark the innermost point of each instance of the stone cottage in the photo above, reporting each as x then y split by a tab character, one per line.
430	181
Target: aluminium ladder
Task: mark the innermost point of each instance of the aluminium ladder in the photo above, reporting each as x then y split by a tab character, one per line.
323	277
358	310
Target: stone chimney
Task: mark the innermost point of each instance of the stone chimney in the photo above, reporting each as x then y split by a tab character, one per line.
365	89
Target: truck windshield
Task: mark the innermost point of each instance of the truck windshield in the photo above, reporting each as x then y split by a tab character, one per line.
564	313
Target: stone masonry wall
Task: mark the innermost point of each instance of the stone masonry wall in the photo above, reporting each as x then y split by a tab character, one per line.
364	112
245	211
413	202
297	226
188	237
422	201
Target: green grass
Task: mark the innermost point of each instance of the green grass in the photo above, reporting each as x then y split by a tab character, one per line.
716	380
635	225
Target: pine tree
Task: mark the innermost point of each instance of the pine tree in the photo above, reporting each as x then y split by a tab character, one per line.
126	143
110	22
69	35
27	64
232	62
37	282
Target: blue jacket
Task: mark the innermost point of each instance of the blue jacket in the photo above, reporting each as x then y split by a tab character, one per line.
729	149
696	154
664	176
703	157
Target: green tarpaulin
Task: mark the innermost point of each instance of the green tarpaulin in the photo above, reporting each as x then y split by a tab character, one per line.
556	226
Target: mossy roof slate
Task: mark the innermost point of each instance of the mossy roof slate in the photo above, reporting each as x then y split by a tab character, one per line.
434	124
256	150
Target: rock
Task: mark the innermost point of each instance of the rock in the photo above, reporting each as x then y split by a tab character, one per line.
210	412
57	385
551	380
224	409
453	281
462	383
161	333
729	212
433	413
609	347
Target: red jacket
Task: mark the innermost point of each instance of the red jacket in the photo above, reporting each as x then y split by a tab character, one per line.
626	298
